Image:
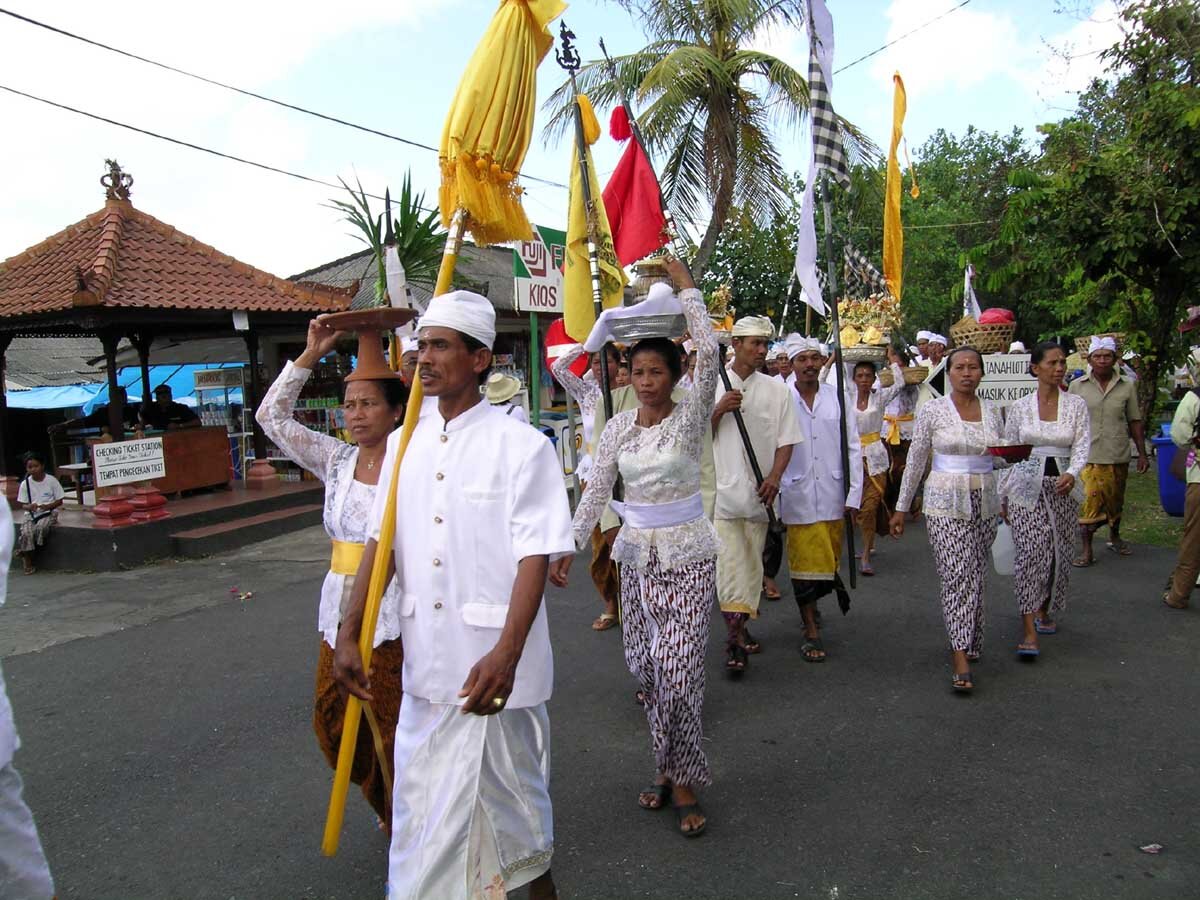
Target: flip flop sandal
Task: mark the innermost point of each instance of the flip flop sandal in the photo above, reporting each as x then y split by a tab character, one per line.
1080	563
1044	627
735	660
963	683
810	648
1121	548
682	812
605	622
772	595
866	568
1027	651
1166	598
751	646
661	792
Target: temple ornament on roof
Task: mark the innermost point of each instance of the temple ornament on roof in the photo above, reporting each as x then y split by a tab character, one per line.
116	183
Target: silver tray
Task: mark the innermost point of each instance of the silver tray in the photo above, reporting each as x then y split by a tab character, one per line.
864	354
637	328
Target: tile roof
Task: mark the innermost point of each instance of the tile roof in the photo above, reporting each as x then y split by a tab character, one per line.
121	258
53	362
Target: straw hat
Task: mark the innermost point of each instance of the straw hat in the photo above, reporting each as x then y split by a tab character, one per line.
501	388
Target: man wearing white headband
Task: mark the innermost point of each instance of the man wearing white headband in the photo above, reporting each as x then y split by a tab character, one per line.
485	514
741	509
937	348
408	361
813	501
923	347
1115	416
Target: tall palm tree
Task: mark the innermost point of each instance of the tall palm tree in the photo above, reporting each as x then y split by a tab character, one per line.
708	102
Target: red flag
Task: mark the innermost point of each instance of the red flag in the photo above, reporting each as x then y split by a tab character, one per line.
634	205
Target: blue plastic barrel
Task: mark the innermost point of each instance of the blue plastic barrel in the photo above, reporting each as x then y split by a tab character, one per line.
1171	491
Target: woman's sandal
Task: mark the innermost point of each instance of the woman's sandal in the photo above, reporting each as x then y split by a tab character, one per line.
661	793
813	650
1082	562
605	622
735	660
682	812
771	593
1026	650
962	682
1042	626
1119	547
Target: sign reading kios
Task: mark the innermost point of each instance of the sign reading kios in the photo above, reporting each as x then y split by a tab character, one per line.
537	271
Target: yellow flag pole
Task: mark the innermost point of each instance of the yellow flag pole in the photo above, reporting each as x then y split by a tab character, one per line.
383	549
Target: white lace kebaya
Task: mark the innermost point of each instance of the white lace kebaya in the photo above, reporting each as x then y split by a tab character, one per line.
659	465
1067	440
586	393
940	431
347	502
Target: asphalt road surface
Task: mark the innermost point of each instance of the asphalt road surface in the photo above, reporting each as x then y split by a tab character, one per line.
168	750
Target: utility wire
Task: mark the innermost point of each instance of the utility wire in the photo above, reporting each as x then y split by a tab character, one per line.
245	93
182	143
895	40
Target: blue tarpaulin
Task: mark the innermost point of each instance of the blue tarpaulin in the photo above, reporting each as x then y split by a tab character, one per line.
88	396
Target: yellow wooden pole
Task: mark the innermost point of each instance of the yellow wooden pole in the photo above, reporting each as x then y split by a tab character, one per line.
383	549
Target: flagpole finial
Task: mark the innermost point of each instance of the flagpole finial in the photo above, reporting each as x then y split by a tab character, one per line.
567	56
390	235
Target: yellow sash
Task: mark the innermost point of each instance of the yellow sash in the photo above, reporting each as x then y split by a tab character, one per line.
894	431
867	439
346	557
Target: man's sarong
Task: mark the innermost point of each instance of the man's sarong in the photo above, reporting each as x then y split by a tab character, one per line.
740	564
1104	493
814	550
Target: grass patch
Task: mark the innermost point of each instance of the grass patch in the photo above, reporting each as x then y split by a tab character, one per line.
1144	521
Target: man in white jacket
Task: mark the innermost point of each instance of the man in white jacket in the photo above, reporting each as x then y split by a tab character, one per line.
813	499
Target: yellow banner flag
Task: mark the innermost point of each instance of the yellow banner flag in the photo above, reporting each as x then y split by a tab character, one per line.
578	302
893	232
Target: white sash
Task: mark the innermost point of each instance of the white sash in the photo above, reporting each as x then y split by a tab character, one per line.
660	515
962	465
1056	452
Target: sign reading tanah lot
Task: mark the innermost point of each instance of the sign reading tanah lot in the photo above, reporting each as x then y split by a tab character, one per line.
1006	378
124	462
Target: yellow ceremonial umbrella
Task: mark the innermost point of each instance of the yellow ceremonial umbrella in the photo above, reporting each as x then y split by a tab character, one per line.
484	142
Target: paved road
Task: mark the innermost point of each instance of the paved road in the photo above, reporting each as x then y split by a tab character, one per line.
168	751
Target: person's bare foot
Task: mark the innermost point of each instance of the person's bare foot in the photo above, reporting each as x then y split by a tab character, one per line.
770	588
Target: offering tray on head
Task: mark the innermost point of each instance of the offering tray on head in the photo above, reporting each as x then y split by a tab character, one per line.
636	328
864	353
1012	452
379	318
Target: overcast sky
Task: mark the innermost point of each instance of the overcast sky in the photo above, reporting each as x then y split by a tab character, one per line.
394	65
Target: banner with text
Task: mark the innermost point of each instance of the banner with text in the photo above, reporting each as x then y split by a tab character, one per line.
1006	378
537	271
124	462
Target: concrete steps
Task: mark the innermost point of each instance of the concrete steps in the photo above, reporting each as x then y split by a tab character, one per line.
209	539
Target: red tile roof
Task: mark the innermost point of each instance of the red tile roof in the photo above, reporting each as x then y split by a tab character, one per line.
119	257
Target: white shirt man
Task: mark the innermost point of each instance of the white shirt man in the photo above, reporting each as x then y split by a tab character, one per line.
741	516
813	497
484	513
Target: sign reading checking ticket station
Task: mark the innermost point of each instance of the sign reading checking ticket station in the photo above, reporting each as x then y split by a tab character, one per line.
124	462
1006	378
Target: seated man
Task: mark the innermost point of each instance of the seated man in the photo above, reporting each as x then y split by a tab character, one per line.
164	414
98	417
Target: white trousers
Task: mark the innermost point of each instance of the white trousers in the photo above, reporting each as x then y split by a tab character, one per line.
471	814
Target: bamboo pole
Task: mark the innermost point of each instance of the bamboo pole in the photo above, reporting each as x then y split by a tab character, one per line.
835	324
378	583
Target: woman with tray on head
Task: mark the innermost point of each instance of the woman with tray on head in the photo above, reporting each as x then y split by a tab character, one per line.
1042	494
961	504
667	548
373	405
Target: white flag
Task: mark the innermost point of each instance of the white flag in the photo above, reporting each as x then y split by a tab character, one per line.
970	303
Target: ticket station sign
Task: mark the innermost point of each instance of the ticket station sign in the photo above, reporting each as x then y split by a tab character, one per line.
126	462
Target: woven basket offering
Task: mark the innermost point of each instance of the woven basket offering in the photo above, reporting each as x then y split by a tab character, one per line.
915	374
966	332
886	378
1082	343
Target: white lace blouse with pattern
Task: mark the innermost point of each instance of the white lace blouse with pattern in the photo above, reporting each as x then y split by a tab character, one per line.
940	429
659	464
1070	433
586	393
870	421
347	502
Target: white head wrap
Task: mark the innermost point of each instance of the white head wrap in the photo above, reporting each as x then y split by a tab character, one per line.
796	344
924	335
465	312
753	326
778	349
939	339
1102	343
408	345
826	350
1016	347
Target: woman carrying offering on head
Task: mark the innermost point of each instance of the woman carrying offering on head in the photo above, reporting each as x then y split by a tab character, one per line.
667	548
869	405
1041	496
961	503
373	405
41	496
